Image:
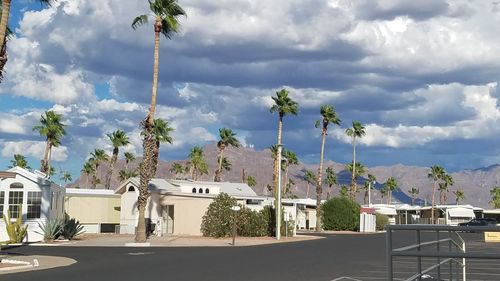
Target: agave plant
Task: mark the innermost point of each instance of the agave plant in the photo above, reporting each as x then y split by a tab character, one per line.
50	230
71	228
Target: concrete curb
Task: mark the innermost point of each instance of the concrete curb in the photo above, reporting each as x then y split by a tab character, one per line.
21	264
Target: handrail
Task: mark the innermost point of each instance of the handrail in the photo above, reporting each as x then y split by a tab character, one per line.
435	227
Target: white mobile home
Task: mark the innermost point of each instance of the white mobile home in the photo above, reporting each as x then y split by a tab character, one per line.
31	193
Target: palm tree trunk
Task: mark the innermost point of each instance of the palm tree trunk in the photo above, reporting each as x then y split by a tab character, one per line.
286	178
148	143
433	201
4	20
365	199
353	176
111	167
217	176
280	128
319	187
45	165
307	194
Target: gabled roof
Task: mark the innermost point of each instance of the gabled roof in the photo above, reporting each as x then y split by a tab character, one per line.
33	176
155	184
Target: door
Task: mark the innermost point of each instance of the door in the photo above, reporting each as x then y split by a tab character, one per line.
168	219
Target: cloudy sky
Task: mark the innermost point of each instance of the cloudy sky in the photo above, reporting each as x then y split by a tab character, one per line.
421	75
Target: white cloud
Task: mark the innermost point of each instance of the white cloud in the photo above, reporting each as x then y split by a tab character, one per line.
35	149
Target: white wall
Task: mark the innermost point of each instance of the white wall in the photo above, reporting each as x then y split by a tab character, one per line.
129	213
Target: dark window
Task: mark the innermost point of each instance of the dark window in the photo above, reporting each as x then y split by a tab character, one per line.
131	188
2	199
207	190
16	185
194	190
200	190
15	203
34	204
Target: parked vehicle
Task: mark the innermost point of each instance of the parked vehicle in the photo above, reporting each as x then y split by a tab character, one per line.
480	222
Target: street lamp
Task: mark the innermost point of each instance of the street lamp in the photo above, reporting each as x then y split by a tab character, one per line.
235	211
369	193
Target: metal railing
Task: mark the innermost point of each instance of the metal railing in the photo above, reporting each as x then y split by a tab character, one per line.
453	254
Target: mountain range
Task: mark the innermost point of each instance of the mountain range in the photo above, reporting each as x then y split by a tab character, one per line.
476	183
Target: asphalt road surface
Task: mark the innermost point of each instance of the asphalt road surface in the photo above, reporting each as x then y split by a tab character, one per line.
336	257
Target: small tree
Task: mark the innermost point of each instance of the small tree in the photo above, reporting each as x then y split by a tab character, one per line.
381	221
340	213
217	221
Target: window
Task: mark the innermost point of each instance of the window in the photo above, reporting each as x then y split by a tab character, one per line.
16	185
200	190
131	188
194	190
15	203
34	204
2	199
207	190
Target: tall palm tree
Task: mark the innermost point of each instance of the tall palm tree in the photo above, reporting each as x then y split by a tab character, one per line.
19	161
161	134
383	192
227	138
4	20
436	173
177	169
330	180
129	157
367	186
391	185
118	139
51	128
357	170
289	158
197	163
3	51
495	197
414	192
459	195
329	116
97	157
310	178
444	188
283	105
251	181
66	177
356	131
226	164
166	13
88	169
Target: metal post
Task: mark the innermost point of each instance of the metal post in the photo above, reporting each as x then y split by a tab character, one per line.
419	259
438	259
450	277
369	194
234	226
278	201
464	278
388	247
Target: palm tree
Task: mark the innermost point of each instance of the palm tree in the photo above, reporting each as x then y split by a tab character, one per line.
283	105
437	172
444	188
3	50
118	139
357	170
125	175
161	134
289	158
129	157
197	162
51	128
330	180
226	164
459	195
344	191
329	116
495	197
310	178
4	19
367	186
227	138
97	157
88	169
66	177
383	192
251	181
356	131
414	192
177	169
19	161
287	191
391	185
166	13
50	171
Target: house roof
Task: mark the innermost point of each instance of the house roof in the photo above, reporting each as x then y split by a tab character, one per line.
155	184
7	175
90	192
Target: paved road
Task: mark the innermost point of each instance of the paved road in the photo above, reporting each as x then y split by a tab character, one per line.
358	257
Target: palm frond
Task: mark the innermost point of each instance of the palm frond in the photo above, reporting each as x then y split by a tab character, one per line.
139	20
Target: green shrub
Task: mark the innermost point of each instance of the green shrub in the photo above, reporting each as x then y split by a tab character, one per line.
251	223
381	221
218	220
15	230
50	230
71	228
340	213
270	215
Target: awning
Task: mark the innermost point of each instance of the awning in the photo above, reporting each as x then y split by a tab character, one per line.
461	213
386	211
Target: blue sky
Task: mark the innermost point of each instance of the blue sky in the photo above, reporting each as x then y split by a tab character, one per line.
422	76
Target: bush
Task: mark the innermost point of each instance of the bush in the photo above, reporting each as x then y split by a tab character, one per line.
50	230
71	228
381	221
270	215
15	230
340	213
218	220
251	223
